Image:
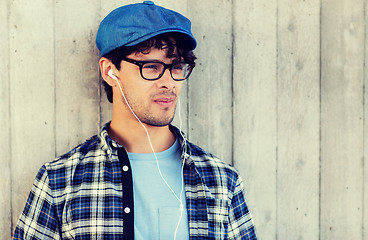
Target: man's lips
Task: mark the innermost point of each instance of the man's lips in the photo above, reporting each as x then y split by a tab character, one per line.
165	101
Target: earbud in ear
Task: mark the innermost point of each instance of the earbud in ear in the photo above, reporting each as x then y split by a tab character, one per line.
112	75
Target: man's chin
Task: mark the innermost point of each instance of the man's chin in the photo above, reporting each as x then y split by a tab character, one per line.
158	122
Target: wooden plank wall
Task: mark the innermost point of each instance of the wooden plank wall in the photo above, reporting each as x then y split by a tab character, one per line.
5	155
280	91
342	120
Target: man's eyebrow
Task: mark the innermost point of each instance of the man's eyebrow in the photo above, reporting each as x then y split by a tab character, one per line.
150	60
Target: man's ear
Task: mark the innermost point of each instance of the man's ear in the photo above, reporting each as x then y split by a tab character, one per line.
105	66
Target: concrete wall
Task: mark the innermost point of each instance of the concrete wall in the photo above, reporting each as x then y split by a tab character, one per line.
280	91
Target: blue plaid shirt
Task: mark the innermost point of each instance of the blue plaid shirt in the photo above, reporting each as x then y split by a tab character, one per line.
87	194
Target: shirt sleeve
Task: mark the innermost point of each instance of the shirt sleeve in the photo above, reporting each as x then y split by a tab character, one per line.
38	219
241	224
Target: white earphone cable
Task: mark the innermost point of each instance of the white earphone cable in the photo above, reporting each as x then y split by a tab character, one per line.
182	170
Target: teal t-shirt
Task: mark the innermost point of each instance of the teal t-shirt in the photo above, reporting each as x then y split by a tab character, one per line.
156	209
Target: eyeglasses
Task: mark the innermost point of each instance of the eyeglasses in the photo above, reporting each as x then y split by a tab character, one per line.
153	70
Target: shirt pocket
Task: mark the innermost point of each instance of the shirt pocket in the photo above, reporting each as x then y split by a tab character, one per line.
218	217
168	219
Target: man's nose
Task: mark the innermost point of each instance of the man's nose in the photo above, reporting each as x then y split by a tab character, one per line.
166	80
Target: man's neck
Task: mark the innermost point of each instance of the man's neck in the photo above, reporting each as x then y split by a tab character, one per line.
133	137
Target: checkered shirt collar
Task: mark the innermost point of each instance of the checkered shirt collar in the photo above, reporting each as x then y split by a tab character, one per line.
107	143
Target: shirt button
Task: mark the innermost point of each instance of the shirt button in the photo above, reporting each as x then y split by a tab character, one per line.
127	210
125	168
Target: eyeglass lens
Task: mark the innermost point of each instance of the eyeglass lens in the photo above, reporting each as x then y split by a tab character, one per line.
179	71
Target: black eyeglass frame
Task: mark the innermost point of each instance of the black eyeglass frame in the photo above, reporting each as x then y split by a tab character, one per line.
166	66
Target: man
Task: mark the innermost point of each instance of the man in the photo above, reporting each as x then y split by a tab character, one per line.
139	178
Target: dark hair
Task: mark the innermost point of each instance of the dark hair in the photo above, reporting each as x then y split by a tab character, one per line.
159	41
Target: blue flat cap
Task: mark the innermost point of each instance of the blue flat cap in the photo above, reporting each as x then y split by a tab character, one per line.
132	24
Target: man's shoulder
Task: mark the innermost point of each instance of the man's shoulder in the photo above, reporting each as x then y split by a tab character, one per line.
213	170
203	158
89	148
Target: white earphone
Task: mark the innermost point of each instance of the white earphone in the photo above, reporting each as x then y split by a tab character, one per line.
179	198
112	75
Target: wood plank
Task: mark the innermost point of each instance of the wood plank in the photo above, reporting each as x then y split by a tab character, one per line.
32	94
365	183
342	119
255	116
5	156
76	73
365	140
298	120
365	146
210	87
